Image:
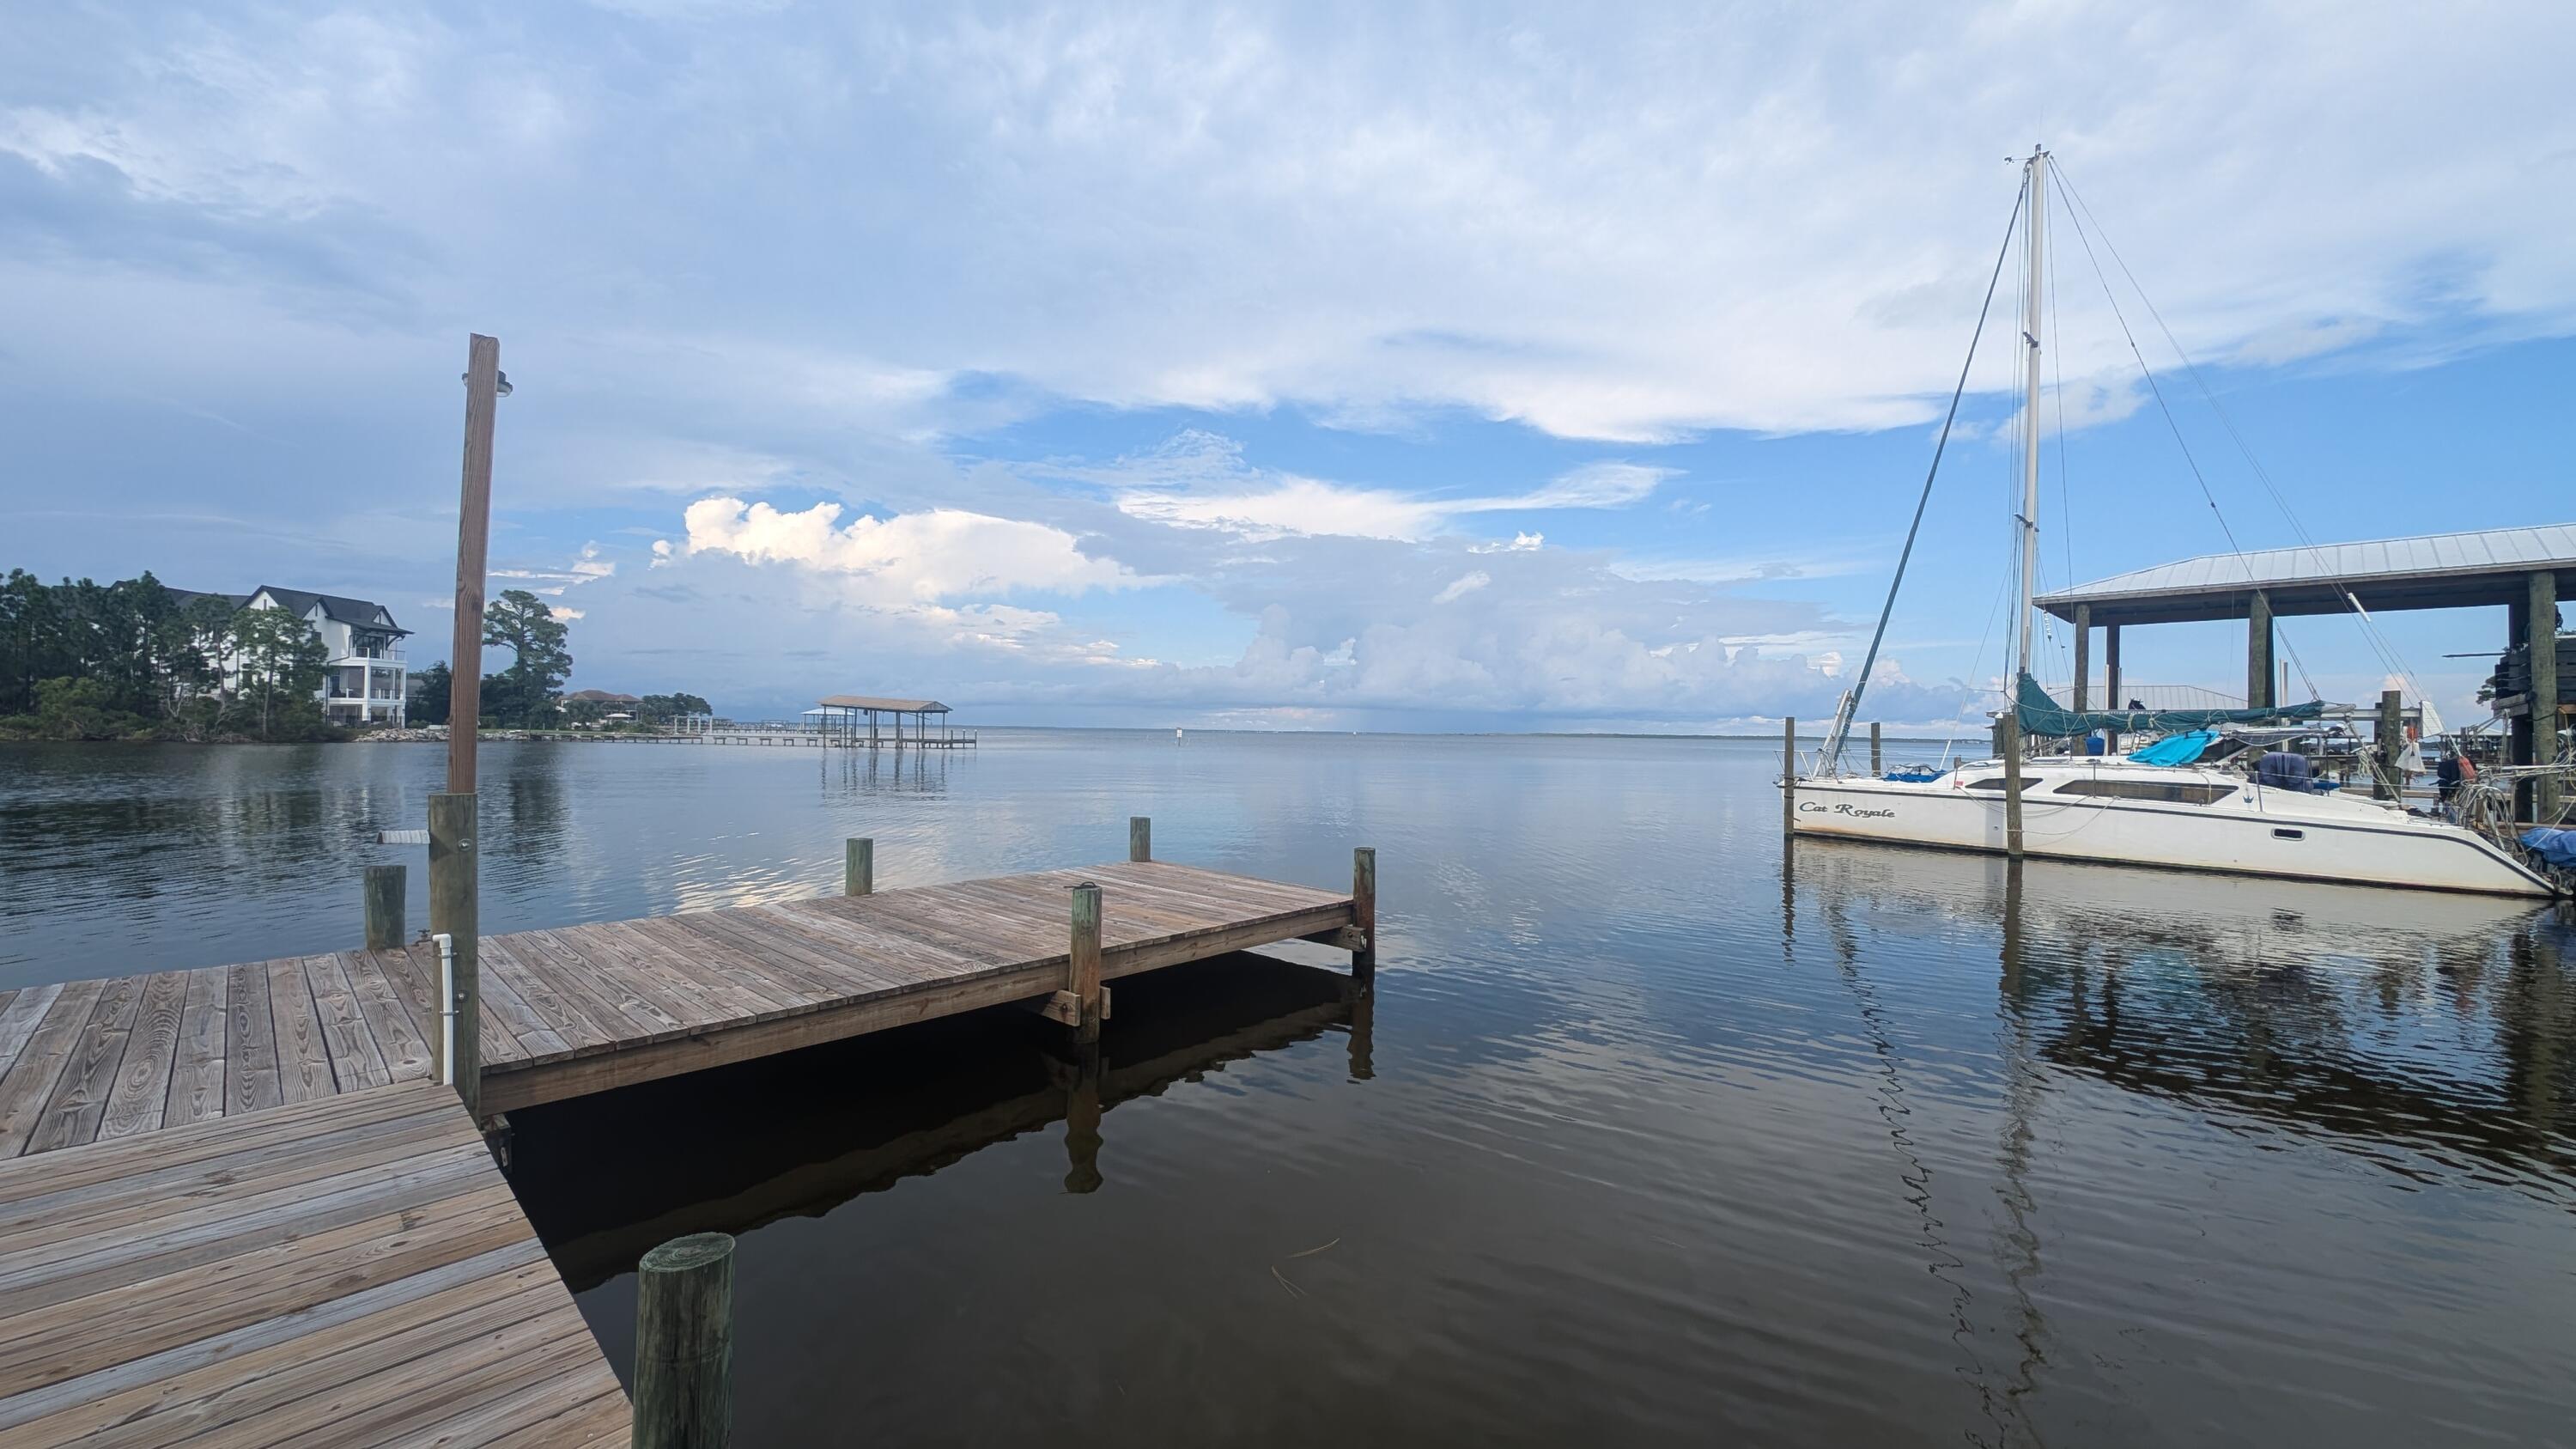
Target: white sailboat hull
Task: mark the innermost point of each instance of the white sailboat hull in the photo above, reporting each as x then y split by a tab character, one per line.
2250	831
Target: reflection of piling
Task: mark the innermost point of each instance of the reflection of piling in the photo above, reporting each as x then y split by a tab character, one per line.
1364	1036
684	1344
385	907
1364	914
1082	1111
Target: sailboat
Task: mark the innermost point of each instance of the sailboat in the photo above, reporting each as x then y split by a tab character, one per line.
2183	803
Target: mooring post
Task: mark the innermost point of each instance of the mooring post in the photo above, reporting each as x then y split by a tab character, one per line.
453	908
1084	978
2011	723
1140	838
384	907
684	1344
1877	755
1364	913
2390	783
1789	775
859	866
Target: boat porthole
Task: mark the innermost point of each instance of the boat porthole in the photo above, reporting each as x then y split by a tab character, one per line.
2289	835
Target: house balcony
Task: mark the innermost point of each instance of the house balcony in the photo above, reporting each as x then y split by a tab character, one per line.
380	658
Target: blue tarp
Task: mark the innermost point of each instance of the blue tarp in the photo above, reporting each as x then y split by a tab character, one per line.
2557	847
2176	749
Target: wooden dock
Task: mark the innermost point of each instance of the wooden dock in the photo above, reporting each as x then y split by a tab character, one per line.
242	1207
349	1270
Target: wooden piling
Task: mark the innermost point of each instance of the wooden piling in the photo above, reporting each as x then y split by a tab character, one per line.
684	1344
1083	979
1364	913
2011	723
473	535
858	866
384	907
1877	752
453	911
1789	775
2387	781
1140	838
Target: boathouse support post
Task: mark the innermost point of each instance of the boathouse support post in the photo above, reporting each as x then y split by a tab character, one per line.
2112	697
1083	978
2011	723
1877	751
1364	914
2543	608
2258	651
385	885
453	911
859	866
1789	775
2390	781
684	1344
1140	837
2083	654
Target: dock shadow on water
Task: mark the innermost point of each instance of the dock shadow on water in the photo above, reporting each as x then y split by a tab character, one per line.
809	1137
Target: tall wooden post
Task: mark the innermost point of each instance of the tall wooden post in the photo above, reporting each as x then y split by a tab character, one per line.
2545	793
453	911
385	907
1877	752
684	1344
2113	698
1789	775
473	536
858	866
2083	654
1083	980
1140	838
2389	782
2012	782
2258	652
1364	913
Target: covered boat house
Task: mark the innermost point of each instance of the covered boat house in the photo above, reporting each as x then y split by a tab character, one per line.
872	722
2524	570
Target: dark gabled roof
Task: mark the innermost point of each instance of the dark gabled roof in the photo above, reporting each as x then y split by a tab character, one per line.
361	612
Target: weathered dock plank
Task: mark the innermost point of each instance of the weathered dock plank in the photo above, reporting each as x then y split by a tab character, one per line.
576	1009
351	1269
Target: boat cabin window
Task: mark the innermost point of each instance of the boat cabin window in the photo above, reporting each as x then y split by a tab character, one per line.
1997	782
2171	792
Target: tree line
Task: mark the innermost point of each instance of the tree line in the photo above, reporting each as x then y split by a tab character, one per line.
81	660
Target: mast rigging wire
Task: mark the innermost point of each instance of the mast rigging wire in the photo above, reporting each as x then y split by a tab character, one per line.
1831	758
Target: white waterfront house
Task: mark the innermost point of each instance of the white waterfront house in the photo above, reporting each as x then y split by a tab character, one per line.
364	679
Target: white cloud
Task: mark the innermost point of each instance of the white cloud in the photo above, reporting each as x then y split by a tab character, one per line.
1464	584
913	557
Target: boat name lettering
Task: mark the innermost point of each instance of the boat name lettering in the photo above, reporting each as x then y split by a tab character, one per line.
1812	807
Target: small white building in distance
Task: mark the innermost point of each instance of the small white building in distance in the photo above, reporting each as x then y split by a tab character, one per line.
365	679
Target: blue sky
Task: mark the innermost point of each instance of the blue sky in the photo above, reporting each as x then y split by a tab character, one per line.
1483	367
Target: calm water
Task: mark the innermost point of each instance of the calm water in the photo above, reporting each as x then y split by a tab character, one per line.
1644	1138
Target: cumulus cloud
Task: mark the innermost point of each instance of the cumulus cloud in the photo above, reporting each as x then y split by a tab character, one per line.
940	554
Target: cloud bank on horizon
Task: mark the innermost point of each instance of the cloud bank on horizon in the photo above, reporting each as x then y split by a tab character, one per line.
1093	365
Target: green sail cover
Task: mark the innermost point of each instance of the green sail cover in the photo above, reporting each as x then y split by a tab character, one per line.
2041	715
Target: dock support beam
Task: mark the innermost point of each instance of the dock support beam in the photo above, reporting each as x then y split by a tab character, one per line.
1789	775
2011	723
684	1344
2544	692
2258	651
858	866
1140	837
1083	979
2083	653
2390	782
385	886
1364	914
453	910
2112	698
1877	752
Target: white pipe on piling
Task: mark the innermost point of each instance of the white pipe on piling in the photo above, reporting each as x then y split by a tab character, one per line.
446	1008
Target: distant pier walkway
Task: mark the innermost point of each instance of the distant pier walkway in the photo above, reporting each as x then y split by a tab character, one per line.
241	1206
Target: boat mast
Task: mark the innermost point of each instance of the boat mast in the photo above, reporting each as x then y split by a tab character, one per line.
2037	168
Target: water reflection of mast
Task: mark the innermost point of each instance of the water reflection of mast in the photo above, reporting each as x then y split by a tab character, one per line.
2018	1249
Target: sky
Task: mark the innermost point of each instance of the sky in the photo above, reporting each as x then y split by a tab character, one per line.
1475	367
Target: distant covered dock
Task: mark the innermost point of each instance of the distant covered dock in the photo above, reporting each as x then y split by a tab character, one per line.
875	722
2526	570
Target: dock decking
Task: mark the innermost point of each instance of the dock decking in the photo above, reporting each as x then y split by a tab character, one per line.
346	1270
